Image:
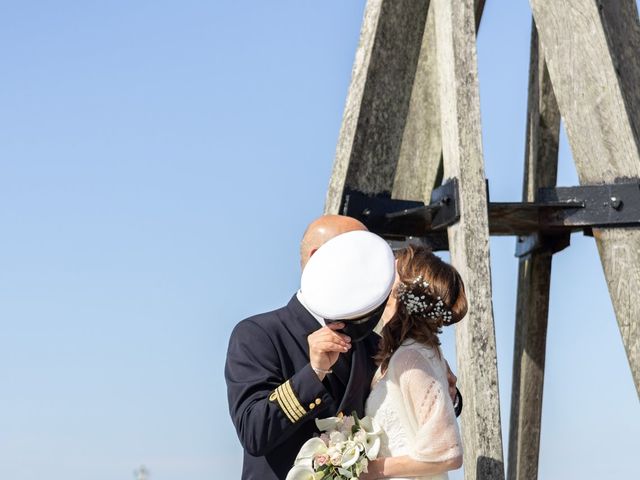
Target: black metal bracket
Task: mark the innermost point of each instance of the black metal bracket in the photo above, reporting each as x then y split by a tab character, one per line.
539	242
545	224
407	221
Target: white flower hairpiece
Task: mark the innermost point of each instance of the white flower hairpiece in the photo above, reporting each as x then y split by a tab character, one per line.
417	303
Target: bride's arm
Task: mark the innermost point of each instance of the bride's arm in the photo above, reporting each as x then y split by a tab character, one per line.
406	466
437	446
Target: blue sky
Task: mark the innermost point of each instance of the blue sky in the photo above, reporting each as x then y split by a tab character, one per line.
158	164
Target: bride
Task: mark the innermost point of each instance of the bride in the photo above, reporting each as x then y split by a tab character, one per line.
409	396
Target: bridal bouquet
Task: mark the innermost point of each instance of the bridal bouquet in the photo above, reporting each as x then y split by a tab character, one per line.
341	452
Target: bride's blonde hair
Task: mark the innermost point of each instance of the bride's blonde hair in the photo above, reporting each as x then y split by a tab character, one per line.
430	294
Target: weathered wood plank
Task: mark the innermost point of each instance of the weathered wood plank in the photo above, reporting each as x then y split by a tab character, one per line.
419	164
534	277
420	167
469	238
378	98
591	48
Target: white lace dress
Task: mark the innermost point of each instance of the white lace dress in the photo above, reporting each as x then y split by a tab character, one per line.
412	405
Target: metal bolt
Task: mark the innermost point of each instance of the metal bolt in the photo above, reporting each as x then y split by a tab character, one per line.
445	200
616	203
366	212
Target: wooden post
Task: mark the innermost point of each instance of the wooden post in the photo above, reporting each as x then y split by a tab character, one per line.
420	167
390	110
469	238
534	277
378	98
420	161
591	48
416	70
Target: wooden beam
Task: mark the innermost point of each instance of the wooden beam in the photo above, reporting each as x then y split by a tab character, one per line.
390	115
378	98
420	161
420	167
534	277
469	238
591	48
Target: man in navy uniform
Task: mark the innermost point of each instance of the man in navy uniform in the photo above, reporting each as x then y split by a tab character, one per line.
287	367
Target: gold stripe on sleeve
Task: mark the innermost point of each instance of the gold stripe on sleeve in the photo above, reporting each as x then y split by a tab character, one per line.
285	410
282	407
287	398
293	399
285	405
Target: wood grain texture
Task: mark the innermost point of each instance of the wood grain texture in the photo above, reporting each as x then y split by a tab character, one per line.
534	277
420	167
591	48
469	238
419	164
391	107
378	98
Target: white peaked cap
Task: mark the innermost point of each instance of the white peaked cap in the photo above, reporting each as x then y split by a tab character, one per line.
349	276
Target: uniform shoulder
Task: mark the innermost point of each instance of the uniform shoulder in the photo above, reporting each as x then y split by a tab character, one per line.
261	323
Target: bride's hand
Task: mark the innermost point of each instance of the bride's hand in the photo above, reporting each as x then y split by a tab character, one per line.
451	380
374	470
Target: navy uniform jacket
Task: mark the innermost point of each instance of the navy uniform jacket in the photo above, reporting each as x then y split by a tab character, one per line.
274	395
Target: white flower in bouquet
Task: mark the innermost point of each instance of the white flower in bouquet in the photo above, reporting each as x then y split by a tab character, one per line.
346	425
335	456
329	423
337	437
350	453
303	467
342	451
311	448
373	432
302	472
360	436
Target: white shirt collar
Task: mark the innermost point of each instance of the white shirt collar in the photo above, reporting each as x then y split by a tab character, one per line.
317	317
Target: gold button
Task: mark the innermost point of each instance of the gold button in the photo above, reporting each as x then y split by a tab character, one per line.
318	401
273	396
312	406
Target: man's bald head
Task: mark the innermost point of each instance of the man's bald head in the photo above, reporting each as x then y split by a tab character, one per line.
323	229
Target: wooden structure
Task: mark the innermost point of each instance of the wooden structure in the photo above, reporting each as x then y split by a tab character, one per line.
412	119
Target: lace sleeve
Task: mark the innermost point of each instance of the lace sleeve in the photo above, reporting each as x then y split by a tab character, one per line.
423	384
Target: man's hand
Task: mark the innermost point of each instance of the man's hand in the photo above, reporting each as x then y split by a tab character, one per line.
452	380
325	345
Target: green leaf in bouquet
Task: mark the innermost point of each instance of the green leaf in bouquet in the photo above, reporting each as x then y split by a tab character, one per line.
356	420
345	473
